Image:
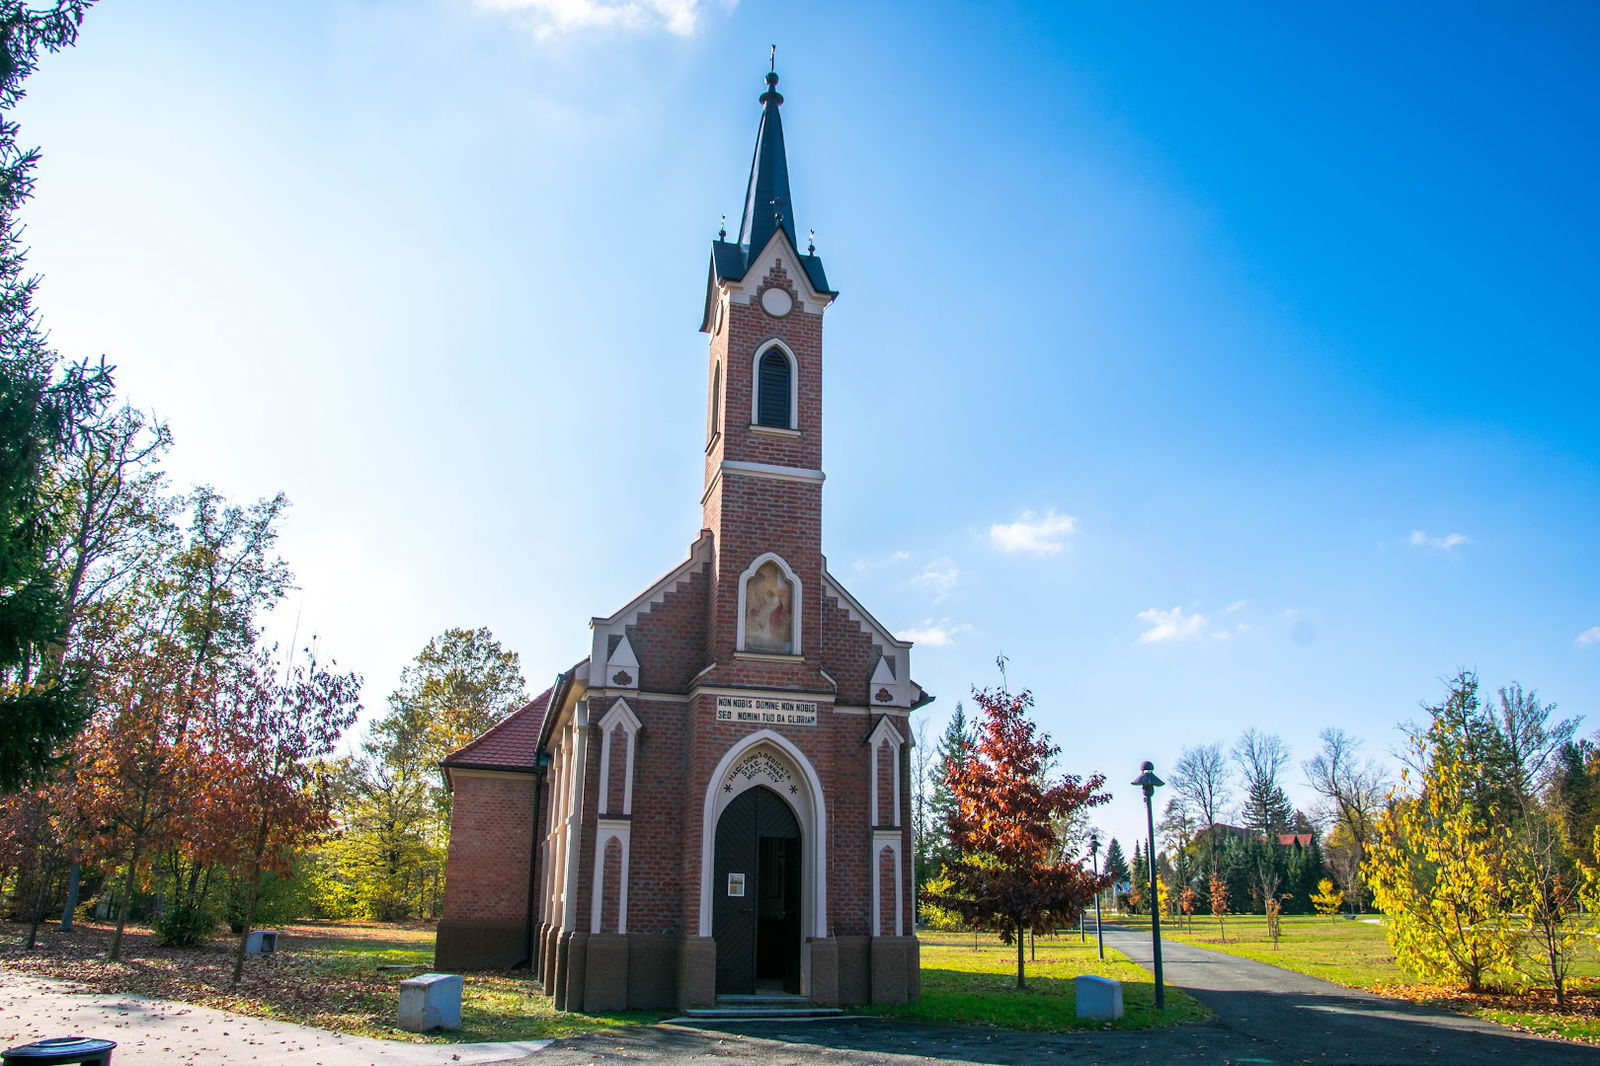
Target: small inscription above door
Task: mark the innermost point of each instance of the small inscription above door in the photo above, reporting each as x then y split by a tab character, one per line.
764	711
736	884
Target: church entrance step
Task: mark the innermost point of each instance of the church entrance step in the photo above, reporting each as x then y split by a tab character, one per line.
761	1006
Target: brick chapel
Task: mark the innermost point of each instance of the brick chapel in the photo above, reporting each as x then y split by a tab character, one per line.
714	802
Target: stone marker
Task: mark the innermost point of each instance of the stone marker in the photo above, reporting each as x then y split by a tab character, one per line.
433	1001
1097	997
261	942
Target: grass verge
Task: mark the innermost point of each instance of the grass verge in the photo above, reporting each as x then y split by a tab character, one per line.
1356	953
968	981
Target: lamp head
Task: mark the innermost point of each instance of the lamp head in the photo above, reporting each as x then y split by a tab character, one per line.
1147	778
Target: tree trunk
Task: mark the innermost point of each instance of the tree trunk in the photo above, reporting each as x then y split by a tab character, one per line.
67	909
46	871
115	953
1021	984
249	917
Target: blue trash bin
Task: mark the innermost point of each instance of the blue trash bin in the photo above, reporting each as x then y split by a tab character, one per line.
62	1051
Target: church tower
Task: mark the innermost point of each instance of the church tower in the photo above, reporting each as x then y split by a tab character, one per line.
714	802
763	468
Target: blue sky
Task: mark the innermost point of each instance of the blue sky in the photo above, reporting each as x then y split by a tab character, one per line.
1221	366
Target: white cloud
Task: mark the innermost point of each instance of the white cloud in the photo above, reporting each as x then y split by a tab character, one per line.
1171	625
934	633
548	18
940	575
1039	534
1447	543
1236	606
1590	635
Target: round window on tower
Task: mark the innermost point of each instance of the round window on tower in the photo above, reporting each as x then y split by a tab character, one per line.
776	302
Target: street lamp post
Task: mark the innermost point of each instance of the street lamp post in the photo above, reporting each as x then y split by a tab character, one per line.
1148	781
1094	860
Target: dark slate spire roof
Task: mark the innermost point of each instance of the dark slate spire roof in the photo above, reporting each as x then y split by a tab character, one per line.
766	197
767	208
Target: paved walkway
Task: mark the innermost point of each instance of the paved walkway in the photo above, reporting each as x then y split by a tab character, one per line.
1291	1017
1264	1015
151	1031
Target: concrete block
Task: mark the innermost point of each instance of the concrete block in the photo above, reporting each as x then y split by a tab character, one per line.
652	971
855	986
697	972
888	969
606	973
261	942
430	1001
1097	997
824	971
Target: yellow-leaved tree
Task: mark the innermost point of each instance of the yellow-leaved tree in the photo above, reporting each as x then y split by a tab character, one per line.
1327	899
1441	867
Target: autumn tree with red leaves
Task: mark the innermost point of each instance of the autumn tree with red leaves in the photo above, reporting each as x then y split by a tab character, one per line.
270	788
140	770
1010	875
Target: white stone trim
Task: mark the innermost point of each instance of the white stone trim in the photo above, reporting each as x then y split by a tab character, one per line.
747	288
794	381
745	690
622	663
622	830
768	657
901	691
810	811
884	735
774	472
576	745
616	625
619	714
795	609
773	431
888	838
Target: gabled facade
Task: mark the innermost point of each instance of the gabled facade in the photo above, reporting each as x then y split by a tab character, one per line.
726	808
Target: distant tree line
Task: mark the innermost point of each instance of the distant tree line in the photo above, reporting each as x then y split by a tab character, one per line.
1484	857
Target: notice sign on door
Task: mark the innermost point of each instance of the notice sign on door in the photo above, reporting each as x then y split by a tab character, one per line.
736	884
764	711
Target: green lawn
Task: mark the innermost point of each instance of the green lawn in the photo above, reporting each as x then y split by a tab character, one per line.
969	980
1356	953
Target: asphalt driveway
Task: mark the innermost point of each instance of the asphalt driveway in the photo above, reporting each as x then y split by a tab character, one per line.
1263	1015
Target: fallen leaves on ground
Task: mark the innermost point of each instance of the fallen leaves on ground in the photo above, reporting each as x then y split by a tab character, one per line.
302	985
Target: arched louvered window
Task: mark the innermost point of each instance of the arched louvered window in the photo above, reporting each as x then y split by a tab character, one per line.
774	388
716	400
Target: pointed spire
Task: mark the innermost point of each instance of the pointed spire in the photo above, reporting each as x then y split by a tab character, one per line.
766	198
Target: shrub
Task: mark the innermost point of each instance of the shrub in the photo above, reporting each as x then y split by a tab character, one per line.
186	926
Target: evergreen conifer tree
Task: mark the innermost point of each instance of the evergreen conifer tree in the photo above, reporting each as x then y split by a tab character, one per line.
1116	864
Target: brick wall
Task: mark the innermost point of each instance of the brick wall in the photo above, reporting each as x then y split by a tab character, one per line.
486	877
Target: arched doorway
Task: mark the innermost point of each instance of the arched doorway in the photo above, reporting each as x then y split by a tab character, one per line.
756	895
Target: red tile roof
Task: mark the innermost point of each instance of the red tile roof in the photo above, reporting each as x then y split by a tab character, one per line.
510	744
1290	839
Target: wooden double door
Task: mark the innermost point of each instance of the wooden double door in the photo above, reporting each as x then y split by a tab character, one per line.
756	896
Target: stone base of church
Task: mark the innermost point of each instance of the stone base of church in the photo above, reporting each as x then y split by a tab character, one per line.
596	973
895	969
479	944
824	971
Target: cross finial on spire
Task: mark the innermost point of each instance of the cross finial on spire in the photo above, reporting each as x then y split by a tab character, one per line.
722	234
811	243
774	59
